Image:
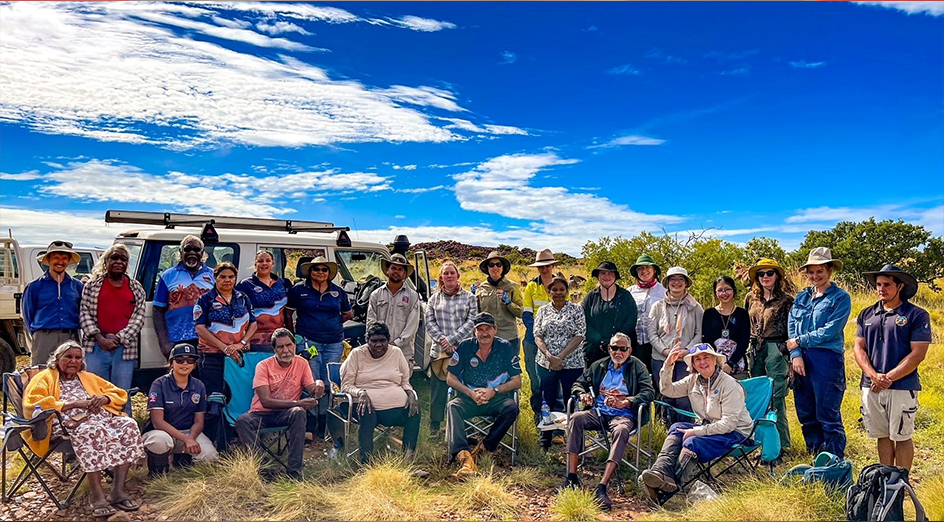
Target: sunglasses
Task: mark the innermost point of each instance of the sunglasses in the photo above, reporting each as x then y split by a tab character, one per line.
768	273
60	244
192	249
495	264
616	348
701	347
182	359
320	269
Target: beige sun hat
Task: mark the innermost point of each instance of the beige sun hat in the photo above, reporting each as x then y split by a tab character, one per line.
703	348
320	260
397	259
494	254
544	258
821	256
677	270
61	247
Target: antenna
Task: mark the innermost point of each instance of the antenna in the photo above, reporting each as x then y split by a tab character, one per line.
358	236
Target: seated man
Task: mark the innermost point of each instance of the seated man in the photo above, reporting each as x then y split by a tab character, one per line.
484	371
278	383
621	383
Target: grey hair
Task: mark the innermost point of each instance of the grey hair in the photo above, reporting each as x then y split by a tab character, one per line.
101	266
57	354
188	239
620	335
282	332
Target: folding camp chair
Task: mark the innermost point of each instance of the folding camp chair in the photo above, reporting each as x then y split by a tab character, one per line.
479	426
599	440
342	407
239	379
758	393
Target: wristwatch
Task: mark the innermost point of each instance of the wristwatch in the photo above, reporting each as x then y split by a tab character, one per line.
243	342
495	389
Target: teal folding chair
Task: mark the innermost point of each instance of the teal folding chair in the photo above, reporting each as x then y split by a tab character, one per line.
239	379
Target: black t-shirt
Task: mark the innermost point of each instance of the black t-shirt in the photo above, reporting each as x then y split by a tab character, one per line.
739	331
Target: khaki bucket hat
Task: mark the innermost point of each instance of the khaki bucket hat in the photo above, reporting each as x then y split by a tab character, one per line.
821	256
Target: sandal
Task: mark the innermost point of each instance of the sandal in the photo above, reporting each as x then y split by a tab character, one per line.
126	504
102	510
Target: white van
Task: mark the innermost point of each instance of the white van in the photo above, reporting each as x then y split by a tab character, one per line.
19	265
237	240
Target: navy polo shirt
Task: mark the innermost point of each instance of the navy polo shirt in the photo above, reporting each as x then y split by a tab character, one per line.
319	315
179	405
501	365
888	336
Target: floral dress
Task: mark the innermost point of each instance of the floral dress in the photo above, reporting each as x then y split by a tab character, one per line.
557	328
103	440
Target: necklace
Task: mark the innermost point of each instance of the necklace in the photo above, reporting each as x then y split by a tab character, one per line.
724	323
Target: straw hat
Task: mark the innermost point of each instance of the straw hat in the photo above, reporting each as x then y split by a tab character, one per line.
763	264
544	258
506	264
704	348
397	259
320	260
677	270
61	247
911	284
821	256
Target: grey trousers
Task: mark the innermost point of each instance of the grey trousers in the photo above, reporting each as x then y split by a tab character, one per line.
46	341
619	428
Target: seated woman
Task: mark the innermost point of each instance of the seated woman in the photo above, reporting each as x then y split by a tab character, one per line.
718	399
378	377
91	407
177	403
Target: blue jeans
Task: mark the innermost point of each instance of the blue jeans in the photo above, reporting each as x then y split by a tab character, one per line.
327	353
818	397
530	366
707	447
112	367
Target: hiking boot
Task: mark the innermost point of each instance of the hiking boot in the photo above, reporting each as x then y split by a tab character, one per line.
602	498
648	492
467	463
158	463
658	480
559	440
570	481
478	450
183	460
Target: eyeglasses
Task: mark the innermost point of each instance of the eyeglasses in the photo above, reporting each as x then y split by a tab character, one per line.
676	279
495	264
616	348
60	244
320	269
192	249
701	347
768	273
725	290
183	359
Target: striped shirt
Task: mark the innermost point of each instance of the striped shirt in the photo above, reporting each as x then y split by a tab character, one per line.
450	316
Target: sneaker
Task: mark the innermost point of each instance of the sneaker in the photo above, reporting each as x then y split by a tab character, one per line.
570	481
648	492
602	498
468	467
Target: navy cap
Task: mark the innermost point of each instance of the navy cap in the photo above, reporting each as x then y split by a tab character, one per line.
183	349
483	318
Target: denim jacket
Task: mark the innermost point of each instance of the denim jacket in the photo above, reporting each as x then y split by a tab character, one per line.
819	323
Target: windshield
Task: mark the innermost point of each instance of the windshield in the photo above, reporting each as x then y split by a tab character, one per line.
357	265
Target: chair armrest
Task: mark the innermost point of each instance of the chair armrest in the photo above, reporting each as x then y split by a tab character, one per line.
769	418
217	398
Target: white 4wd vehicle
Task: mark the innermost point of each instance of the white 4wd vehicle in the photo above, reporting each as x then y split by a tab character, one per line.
19	265
237	241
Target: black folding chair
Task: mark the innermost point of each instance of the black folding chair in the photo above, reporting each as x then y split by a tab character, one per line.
479	426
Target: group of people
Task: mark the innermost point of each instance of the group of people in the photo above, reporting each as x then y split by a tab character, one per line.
619	349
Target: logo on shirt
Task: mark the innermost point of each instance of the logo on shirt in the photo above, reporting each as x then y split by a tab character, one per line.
405	300
195	398
901	320
197	312
333	293
216	305
208	279
152	397
454	360
257	289
474	362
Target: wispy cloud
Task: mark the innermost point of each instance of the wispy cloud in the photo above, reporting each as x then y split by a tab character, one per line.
927	8
931	218
507	58
280	27
807	65
421	190
404	167
633	139
22	176
422	24
86	229
740	71
626	69
660	55
466	125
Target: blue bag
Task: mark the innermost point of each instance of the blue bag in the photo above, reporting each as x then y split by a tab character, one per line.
827	468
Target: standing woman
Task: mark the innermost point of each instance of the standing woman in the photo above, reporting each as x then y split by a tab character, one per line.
727	327
322	308
449	316
608	308
559	330
111	315
646	292
674	322
816	345
500	297
768	305
268	294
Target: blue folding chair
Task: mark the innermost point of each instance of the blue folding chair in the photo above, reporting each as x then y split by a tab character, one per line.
758	393
239	379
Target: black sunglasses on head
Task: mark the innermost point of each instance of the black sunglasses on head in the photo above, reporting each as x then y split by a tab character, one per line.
616	348
768	273
181	359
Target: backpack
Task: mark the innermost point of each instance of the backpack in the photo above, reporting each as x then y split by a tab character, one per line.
827	468
878	495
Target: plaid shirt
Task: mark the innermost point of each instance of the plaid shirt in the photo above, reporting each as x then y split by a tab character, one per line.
450	316
88	317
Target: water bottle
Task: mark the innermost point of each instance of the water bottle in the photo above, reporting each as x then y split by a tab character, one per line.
472	289
545	413
36	411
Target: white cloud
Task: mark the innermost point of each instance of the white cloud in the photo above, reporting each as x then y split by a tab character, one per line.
168	89
421	190
807	65
740	71
626	70
280	27
930	218
466	125
660	55
42	227
404	167
22	176
422	24
629	140
508	57
927	8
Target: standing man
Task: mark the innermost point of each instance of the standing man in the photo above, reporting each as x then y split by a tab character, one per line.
536	296
396	305
891	340
51	303
279	382
485	372
178	290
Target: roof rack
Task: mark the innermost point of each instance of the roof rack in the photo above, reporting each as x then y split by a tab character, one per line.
170	220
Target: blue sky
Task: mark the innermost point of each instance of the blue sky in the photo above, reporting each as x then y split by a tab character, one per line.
536	124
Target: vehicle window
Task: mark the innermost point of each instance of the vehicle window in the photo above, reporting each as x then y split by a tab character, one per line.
286	260
79	271
356	265
135	250
159	256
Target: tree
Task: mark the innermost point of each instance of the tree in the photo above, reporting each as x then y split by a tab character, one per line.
762	248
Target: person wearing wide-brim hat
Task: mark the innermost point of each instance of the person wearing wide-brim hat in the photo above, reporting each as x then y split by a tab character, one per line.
816	343
536	295
768	304
50	304
397	305
321	308
646	292
608	308
891	340
500	296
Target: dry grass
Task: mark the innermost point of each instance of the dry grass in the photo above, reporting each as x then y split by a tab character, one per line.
491	496
575	504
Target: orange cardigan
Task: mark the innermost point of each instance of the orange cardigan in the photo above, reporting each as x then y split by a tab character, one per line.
43	391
